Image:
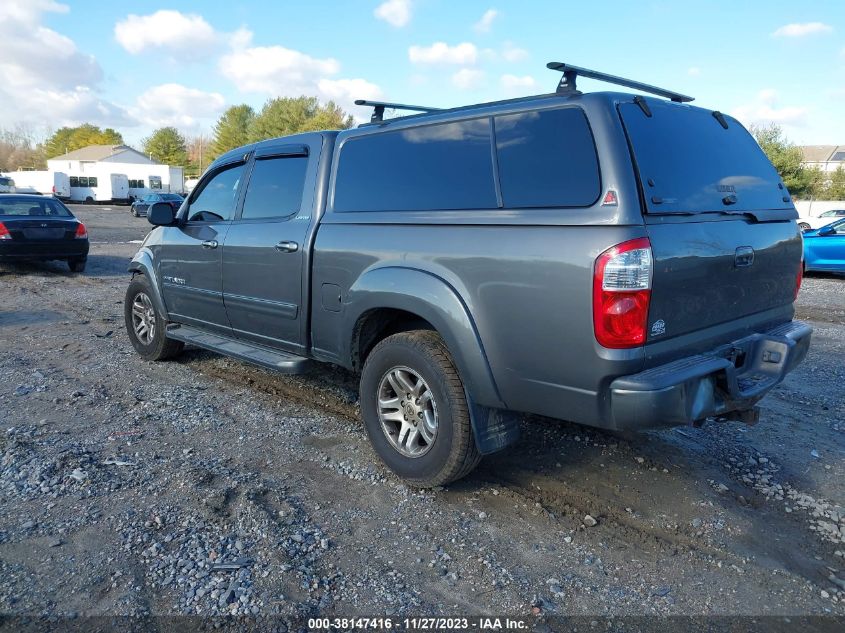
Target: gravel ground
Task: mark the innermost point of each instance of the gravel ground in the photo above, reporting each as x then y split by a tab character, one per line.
204	486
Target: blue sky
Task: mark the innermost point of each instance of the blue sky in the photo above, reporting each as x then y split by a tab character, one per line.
139	65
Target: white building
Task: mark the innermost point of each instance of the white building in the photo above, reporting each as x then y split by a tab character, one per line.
102	161
825	157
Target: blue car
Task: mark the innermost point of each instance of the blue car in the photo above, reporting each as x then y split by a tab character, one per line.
824	248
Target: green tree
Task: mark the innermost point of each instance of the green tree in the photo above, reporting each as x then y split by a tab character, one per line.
166	146
68	139
232	129
787	159
287	115
834	187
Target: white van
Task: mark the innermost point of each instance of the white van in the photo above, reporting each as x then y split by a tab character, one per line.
45	183
101	188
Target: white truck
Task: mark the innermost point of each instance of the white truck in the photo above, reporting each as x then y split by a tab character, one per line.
147	179
46	183
102	188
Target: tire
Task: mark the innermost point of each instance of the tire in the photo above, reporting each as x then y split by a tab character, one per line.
77	265
157	346
134	212
804	226
89	200
451	452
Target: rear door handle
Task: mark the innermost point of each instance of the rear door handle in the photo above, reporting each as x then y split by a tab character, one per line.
209	244
287	247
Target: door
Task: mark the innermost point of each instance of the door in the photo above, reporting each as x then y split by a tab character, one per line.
190	254
263	252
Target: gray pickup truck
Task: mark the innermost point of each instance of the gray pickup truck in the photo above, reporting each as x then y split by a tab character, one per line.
616	260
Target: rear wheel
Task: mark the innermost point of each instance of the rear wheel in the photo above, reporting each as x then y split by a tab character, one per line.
145	325
415	410
77	265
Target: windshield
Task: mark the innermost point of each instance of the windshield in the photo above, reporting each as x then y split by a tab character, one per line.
688	162
170	196
38	207
7	181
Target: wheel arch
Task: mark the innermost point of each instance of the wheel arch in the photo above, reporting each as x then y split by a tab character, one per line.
142	264
387	300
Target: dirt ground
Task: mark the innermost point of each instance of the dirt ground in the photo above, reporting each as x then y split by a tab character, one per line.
205	486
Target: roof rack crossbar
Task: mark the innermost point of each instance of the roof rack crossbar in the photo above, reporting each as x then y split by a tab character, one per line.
571	73
380	106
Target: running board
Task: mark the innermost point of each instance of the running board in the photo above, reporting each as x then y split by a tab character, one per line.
271	359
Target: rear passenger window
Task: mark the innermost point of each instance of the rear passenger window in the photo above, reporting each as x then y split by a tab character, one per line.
547	158
275	188
74	181
432	167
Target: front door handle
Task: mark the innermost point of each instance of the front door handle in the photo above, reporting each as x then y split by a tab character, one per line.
287	247
209	244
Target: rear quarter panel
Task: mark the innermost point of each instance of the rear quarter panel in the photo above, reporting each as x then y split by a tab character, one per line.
524	275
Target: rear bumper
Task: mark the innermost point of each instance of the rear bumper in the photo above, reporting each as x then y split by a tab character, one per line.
56	249
726	383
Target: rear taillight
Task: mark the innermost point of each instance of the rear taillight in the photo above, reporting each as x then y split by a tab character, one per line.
81	231
799	278
621	294
4	232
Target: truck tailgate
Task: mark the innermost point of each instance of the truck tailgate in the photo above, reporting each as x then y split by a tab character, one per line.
711	272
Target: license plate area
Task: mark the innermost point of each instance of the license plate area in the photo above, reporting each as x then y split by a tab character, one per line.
44	234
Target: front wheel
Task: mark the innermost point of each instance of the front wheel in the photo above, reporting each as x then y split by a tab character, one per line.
145	325
415	411
804	226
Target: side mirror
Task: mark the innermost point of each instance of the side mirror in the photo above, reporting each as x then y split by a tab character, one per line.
161	214
826	230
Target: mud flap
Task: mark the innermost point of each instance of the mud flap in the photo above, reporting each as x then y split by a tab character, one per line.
494	429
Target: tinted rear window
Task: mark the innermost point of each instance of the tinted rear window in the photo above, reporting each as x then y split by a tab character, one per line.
547	158
433	167
35	207
688	162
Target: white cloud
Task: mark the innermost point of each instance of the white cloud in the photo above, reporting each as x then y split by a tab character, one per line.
765	109
46	78
513	84
694	71
177	105
275	70
187	34
802	29
442	53
278	71
511	53
395	12
468	78
486	22
345	91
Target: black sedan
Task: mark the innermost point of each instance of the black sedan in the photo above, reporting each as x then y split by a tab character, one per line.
141	206
41	228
